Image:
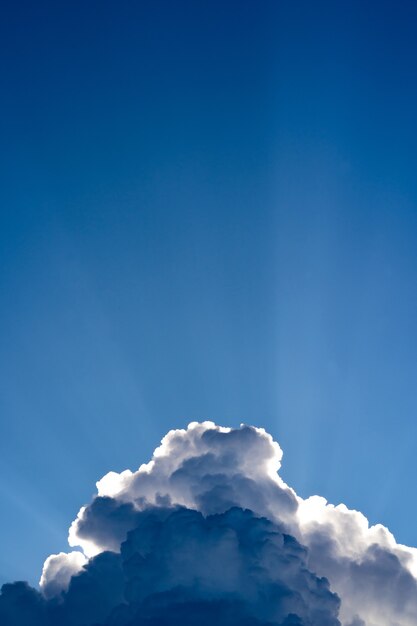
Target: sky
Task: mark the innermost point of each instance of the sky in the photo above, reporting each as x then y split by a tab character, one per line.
208	211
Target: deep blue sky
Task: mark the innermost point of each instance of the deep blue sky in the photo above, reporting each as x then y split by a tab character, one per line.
208	210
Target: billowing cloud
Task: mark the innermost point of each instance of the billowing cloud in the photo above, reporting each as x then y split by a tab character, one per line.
180	567
208	531
58	570
205	467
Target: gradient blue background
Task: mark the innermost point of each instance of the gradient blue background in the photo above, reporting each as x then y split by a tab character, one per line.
208	210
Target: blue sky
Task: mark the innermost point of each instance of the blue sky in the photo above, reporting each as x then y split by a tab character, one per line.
208	210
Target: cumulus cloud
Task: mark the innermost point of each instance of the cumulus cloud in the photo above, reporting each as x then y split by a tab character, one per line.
205	467
58	570
208	531
180	567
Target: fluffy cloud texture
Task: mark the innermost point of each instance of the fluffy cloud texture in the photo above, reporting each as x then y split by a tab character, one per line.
207	531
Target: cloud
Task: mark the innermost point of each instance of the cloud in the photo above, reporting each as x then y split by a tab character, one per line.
232	558
21	605
206	468
374	576
58	570
208	531
180	567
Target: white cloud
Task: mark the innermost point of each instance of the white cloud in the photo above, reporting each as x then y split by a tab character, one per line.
210	469
58	570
